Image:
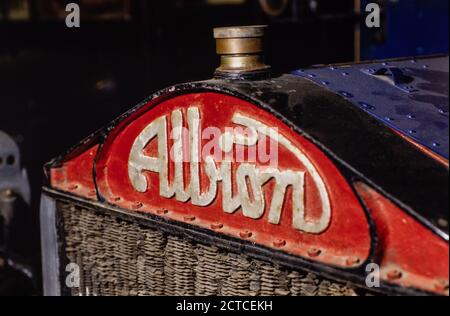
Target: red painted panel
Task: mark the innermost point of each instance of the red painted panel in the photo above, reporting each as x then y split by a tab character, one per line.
346	237
76	175
410	254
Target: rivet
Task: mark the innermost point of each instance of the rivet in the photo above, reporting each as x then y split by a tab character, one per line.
312	75
367	106
352	261
325	83
245	234
92	193
345	73
411	131
314	252
394	274
279	243
425	66
385	64
441	285
162	212
216	226
346	94
73	187
389	119
117	199
436	144
138	205
189	218
411	117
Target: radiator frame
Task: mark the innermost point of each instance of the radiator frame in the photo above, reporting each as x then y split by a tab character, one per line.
53	248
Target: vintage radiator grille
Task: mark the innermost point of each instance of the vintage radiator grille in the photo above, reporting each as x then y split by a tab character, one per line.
120	257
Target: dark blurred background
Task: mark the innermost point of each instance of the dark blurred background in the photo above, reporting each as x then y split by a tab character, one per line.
59	84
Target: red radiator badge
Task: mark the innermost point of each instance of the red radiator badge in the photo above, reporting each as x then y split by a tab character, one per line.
221	163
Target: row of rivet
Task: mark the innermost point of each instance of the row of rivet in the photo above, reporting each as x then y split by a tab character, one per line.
246	234
370	107
392	275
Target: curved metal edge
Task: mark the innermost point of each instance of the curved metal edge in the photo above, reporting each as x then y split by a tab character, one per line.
235	244
49	245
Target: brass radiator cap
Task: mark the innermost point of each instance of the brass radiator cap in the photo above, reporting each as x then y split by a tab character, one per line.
240	49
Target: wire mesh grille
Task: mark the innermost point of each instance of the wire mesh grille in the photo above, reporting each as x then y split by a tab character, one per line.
119	257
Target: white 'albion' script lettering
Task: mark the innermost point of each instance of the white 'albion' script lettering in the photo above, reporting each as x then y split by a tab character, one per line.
249	179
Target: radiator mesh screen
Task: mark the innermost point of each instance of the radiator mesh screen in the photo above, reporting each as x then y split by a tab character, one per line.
118	257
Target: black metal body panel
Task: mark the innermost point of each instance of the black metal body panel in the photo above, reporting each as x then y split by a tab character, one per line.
357	141
408	95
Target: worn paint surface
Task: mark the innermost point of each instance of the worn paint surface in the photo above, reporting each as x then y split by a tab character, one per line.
409	254
331	219
76	175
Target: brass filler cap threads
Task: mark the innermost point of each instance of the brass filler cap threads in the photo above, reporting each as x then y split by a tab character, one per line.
240	49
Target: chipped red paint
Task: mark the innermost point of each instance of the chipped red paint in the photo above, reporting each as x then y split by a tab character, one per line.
410	255
347	235
76	175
